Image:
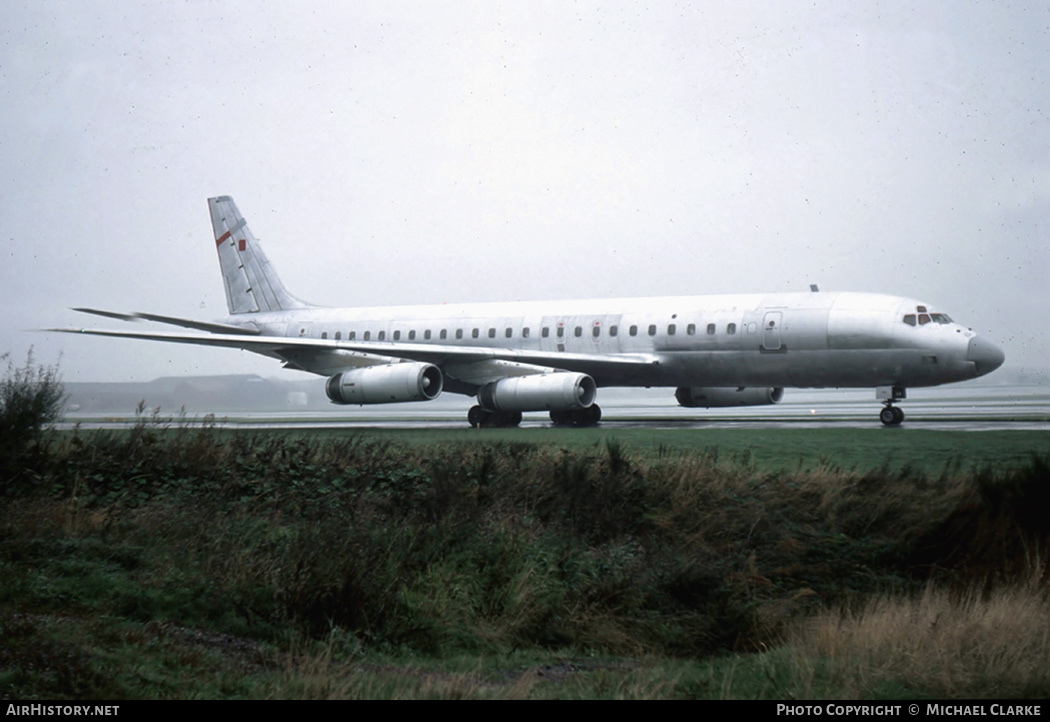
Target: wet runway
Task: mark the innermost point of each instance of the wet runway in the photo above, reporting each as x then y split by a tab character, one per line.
956	408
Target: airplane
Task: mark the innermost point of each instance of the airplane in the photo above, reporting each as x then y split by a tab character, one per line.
715	351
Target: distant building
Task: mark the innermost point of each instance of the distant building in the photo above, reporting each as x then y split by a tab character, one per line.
195	394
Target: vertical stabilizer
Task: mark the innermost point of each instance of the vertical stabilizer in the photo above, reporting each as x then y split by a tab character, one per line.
251	283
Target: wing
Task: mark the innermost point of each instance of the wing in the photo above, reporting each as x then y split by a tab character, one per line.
472	366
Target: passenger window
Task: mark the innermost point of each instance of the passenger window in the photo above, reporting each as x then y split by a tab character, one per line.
444	334
382	335
525	332
691	329
652	329
731	329
492	333
546	332
324	334
614	329
459	333
411	335
368	335
509	332
352	335
578	332
633	330
426	334
397	335
474	333
671	328
710	329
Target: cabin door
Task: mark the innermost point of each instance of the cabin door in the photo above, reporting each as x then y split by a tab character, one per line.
771	330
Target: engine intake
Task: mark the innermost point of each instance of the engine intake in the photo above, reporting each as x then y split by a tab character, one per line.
716	398
386	384
562	391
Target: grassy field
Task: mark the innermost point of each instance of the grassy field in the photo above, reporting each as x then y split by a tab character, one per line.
168	561
766	449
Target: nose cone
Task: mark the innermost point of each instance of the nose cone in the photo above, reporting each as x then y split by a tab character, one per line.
985	355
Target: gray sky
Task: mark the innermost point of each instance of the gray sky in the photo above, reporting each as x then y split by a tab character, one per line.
422	152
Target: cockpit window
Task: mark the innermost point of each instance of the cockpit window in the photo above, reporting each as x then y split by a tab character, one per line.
924	318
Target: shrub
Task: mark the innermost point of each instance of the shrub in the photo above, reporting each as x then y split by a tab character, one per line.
31	399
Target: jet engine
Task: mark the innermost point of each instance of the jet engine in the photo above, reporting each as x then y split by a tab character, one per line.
386	384
561	391
714	398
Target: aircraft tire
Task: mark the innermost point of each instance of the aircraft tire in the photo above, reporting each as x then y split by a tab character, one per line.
586	417
578	417
508	418
561	418
891	416
596	414
481	418
477	417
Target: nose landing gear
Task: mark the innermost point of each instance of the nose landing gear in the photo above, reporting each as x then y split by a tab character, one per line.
891	415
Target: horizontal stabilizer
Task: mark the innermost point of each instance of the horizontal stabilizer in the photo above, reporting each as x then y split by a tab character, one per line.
200	325
108	314
174	321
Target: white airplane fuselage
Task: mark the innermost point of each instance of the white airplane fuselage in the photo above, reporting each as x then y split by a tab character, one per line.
793	340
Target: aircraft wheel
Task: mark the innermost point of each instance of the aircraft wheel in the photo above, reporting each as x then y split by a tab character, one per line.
891	416
586	417
589	416
508	418
596	413
477	417
578	417
481	418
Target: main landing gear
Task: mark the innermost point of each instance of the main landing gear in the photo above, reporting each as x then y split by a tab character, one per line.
480	418
891	415
578	417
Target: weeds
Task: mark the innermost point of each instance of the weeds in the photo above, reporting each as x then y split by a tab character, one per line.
373	549
942	643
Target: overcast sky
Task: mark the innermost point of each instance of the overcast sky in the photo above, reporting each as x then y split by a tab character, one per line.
423	152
